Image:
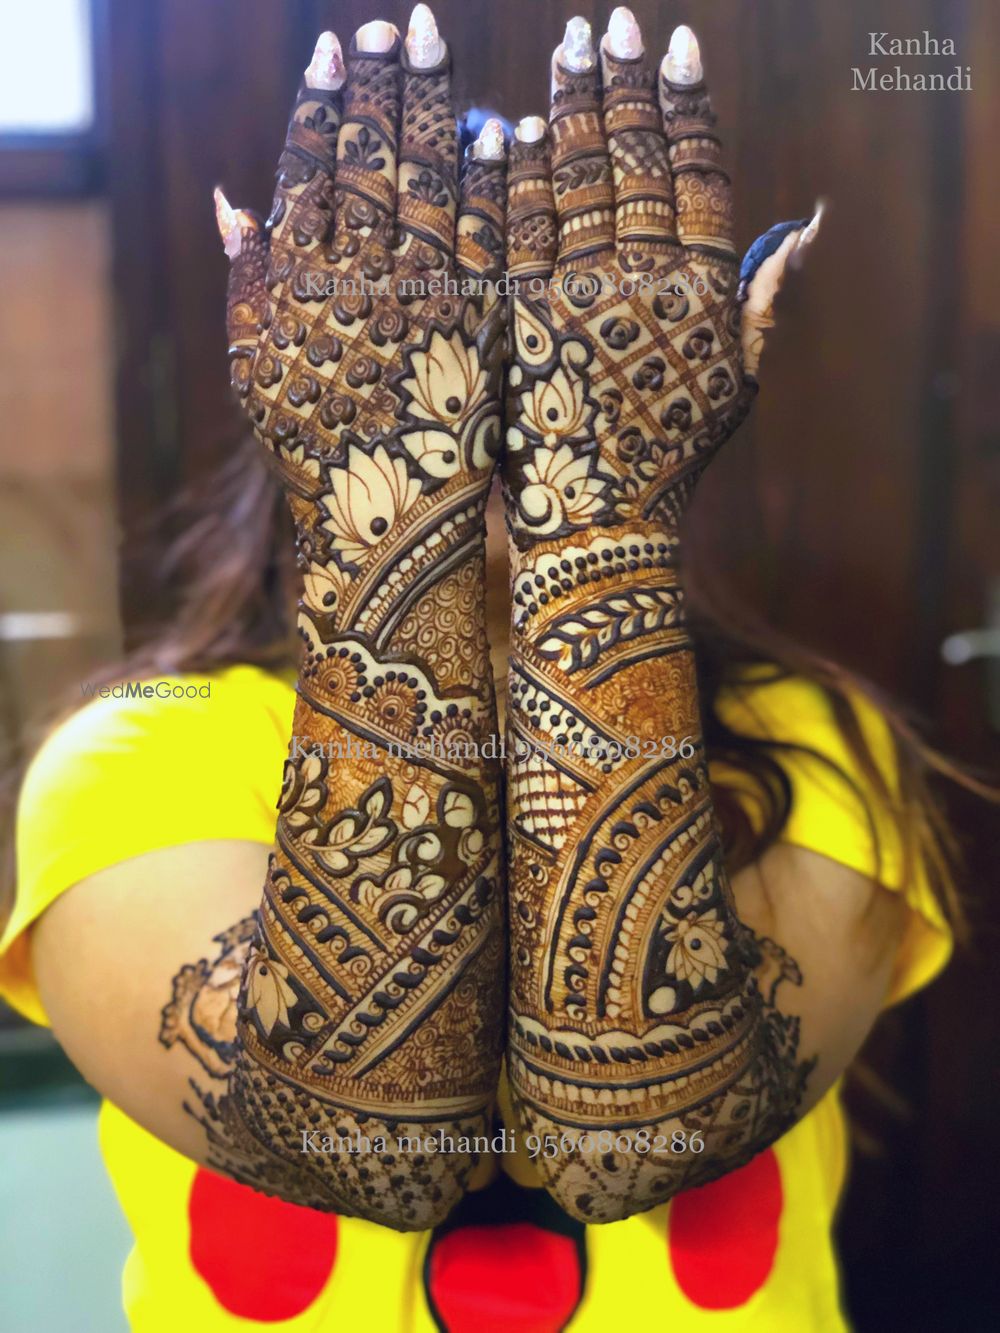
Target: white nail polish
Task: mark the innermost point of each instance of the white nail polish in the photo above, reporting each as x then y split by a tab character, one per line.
376	38
806	237
624	38
326	69
682	63
423	41
577	50
490	146
809	233
530	129
228	222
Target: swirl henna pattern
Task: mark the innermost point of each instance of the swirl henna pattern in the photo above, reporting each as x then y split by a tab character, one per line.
371	996
638	1000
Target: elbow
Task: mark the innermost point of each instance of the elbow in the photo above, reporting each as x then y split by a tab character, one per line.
611	1198
610	1186
398	1209
616	1186
412	1195
345	1166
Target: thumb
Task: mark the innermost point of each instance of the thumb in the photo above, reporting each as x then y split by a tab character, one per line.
761	275
245	243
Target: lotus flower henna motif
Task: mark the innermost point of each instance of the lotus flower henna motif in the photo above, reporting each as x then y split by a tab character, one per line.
297	457
268	992
698	954
448	382
435	451
323	586
559	489
554	408
368	497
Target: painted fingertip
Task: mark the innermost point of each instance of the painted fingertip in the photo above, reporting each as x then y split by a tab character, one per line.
490	146
376	38
228	221
424	46
326	69
577	51
806	236
810	233
530	130
682	63
623	39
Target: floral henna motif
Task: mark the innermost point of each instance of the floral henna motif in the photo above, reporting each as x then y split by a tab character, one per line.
371	993
201	1014
638	999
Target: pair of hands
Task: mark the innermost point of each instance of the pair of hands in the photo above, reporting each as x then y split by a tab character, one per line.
374	322
366	318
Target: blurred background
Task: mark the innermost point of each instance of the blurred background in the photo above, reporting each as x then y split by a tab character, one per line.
858	511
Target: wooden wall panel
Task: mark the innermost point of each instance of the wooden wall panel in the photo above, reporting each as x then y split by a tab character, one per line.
57	500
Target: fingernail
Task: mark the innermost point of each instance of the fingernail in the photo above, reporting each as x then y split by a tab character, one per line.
682	63
376	37
577	50
490	146
228	222
326	69
624	37
806	236
809	233
530	129
423	41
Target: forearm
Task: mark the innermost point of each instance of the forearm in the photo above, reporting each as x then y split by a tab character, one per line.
635	996
370	999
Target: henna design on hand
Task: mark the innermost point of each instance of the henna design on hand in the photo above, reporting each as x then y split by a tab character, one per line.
371	995
634	988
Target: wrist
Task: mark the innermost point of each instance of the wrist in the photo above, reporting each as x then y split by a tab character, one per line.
617	583
363	578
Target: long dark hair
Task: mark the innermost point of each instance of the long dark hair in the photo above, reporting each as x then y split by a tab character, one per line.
228	583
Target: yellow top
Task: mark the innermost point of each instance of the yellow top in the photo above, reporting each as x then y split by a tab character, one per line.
125	776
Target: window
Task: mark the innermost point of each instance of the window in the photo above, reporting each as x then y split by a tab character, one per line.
46	69
49	112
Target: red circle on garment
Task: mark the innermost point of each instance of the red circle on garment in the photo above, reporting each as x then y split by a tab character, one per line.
517	1277
264	1259
723	1236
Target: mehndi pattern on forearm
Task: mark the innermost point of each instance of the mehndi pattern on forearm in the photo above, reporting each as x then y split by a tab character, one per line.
372	992
635	995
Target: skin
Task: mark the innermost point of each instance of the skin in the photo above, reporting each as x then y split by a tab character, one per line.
151	971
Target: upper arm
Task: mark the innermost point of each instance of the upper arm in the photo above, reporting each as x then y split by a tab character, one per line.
135	853
843	930
138	968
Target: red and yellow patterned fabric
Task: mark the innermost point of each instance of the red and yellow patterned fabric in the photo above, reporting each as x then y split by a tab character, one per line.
751	1251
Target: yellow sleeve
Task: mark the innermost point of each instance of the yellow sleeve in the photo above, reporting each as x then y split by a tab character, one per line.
125	776
830	817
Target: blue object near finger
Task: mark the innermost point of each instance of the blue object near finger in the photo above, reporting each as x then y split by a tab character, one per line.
473	121
761	248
